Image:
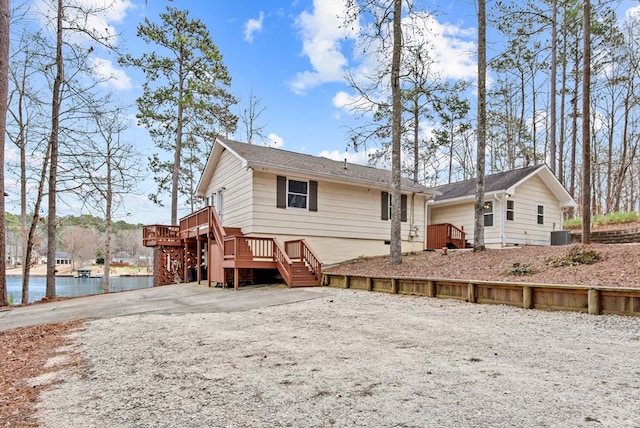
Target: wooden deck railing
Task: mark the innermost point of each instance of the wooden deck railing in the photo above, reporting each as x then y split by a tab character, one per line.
445	235
283	261
238	251
158	234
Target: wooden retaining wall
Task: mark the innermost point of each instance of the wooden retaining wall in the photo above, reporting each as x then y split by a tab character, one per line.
592	300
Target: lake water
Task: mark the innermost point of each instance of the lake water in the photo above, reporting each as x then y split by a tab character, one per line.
69	286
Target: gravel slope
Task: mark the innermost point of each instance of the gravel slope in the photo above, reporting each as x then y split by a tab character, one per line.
354	358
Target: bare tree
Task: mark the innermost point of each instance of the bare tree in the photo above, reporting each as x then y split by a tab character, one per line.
4	90
586	125
250	119
108	169
478	233
72	83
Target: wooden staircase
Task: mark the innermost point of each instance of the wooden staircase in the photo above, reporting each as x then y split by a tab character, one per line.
302	276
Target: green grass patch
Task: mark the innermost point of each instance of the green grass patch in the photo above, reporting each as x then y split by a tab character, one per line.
601	220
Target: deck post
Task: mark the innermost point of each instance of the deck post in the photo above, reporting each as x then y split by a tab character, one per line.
198	258
236	281
185	271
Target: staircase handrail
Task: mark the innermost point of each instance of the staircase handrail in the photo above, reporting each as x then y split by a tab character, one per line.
284	263
454	233
215	224
307	255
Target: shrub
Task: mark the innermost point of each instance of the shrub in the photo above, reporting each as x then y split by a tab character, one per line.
519	269
575	257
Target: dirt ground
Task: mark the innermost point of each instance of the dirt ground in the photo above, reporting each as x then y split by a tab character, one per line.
618	265
31	353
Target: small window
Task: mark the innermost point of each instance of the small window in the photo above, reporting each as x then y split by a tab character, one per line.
292	193
387	207
297	192
540	214
488	213
510	210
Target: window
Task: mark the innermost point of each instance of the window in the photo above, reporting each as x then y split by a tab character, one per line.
510	210
386	206
540	214
488	213
297	194
292	193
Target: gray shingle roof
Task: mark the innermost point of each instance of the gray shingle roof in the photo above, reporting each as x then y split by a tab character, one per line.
257	155
492	183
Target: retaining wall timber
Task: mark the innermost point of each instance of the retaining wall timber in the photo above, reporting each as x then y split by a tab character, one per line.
627	236
592	300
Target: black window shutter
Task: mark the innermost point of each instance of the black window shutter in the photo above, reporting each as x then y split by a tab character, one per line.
281	198
313	196
385	206
403	208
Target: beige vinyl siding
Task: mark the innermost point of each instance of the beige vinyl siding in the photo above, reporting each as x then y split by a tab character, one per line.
237	185
333	250
344	211
525	229
460	215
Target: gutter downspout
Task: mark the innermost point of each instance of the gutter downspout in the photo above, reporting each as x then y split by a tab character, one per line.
503	215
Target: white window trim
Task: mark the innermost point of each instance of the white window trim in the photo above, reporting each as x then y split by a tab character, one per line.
538	215
507	210
306	207
492	213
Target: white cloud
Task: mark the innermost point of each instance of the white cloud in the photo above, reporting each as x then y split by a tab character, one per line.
104	13
633	12
360	158
322	33
253	26
452	47
274	140
113	77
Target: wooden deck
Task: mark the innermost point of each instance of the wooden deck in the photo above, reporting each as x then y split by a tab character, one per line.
239	254
445	235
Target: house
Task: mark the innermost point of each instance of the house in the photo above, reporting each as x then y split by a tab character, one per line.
264	205
63	258
522	207
274	211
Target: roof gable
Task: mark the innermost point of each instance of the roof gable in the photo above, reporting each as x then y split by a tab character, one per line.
286	162
505	182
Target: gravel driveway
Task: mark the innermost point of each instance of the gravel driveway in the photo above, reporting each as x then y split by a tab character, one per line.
354	358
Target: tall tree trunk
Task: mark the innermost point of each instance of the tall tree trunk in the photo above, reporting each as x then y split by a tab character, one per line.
478	233
4	91
416	141
563	100
586	125
53	167
552	90
107	221
396	136
175	183
574	135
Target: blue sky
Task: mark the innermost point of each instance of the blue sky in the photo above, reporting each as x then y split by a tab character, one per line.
292	54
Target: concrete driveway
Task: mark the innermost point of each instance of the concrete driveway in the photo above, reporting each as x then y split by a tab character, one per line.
171	299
